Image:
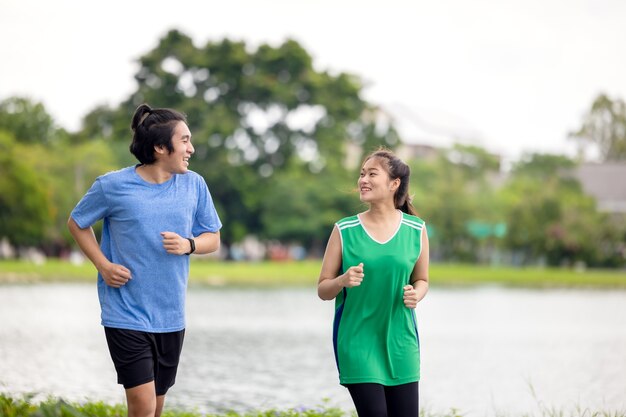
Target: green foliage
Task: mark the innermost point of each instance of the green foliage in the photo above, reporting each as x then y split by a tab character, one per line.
453	192
27	121
605	127
44	172
277	141
10	407
299	209
43	179
268	274
66	171
540	166
253	114
25	207
550	217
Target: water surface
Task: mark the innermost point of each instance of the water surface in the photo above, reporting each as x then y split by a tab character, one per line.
485	351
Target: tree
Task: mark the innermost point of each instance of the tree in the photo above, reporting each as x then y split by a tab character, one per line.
24	201
27	121
253	114
604	126
452	191
66	170
297	209
44	173
549	216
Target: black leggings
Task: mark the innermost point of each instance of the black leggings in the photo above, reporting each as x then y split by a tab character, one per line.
375	400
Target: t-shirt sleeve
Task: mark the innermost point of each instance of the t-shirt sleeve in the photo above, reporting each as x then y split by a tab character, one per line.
91	208
207	219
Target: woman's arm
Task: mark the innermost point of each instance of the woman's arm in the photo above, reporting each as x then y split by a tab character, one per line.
415	292
329	284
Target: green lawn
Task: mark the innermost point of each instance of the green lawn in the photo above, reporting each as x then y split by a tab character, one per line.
305	273
54	407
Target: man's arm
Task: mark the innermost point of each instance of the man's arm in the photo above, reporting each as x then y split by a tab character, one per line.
114	275
206	242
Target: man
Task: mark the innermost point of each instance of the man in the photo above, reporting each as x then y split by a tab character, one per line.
155	214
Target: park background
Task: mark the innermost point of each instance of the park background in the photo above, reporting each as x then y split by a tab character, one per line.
510	115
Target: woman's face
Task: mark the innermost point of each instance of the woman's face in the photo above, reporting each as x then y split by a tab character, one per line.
374	182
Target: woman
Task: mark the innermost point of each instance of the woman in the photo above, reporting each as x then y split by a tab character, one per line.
376	269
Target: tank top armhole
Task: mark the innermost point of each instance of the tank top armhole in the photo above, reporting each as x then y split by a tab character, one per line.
336	226
421	242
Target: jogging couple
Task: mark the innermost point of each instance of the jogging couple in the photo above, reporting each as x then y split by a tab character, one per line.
158	212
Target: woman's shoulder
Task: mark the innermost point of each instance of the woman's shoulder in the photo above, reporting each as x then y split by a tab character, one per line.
348	221
411	220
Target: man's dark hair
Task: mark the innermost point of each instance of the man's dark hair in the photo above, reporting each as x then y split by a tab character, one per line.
152	128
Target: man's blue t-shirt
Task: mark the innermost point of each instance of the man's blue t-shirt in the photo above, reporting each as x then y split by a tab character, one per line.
135	212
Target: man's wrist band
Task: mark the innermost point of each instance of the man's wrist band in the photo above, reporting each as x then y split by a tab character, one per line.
193	246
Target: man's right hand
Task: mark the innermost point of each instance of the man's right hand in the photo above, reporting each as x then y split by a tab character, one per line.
115	275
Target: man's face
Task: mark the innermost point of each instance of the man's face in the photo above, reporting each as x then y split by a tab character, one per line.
177	162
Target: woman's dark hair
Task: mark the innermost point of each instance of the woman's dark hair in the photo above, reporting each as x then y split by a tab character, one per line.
396	168
153	127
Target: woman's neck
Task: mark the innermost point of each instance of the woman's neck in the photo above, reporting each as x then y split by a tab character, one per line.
380	213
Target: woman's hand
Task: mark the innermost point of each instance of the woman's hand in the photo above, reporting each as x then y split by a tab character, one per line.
353	276
410	296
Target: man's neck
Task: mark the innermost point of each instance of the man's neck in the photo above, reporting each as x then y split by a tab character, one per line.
152	173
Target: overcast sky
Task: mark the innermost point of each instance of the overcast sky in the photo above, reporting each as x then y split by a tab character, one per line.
512	76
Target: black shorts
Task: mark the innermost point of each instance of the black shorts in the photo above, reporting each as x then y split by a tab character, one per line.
141	357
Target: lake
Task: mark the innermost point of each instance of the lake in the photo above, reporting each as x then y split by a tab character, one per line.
485	351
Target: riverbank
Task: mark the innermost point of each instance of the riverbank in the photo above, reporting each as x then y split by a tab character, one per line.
58	408
305	273
11	407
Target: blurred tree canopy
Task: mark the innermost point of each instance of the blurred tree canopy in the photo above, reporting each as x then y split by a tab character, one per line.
25	207
43	175
605	127
28	121
259	113
279	144
550	217
452	190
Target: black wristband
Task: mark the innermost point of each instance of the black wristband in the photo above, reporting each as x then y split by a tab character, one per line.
193	246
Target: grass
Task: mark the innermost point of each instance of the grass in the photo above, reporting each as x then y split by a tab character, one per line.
529	277
305	273
24	407
12	407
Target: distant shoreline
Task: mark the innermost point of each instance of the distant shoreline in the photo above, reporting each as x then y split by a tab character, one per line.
305	274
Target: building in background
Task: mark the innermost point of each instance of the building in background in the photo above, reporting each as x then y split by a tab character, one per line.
606	182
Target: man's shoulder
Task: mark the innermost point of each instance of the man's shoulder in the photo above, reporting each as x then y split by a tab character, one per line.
192	178
117	174
193	175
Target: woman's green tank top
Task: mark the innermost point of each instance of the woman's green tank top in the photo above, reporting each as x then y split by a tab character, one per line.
375	336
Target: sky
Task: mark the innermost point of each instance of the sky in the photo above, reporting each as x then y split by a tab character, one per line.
511	76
